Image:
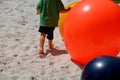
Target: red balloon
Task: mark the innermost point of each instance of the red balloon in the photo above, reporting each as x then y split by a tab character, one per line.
92	29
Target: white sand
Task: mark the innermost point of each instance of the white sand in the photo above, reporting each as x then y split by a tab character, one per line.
19	46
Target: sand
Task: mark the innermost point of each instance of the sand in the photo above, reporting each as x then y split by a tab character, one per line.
19	46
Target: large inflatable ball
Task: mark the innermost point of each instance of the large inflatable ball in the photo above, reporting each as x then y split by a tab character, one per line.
102	68
92	29
62	17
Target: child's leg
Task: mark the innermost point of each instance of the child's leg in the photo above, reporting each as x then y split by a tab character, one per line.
50	37
42	40
50	44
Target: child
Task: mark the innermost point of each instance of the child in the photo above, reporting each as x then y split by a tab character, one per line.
49	14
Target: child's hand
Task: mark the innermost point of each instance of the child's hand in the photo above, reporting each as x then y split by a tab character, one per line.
68	8
65	10
37	11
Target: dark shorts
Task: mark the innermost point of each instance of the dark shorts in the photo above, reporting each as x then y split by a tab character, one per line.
48	31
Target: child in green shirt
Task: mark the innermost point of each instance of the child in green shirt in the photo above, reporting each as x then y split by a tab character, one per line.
49	14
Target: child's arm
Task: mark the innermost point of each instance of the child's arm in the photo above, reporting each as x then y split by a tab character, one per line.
37	11
65	10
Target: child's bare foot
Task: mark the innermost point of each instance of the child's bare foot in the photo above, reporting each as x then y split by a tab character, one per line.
42	55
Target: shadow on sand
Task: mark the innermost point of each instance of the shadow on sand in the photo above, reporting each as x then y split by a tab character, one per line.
55	52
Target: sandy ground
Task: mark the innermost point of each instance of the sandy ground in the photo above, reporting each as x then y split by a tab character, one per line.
19	46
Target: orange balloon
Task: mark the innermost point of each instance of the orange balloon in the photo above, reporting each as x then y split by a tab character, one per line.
62	17
92	29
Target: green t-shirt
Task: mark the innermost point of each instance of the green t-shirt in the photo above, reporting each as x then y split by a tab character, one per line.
49	12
